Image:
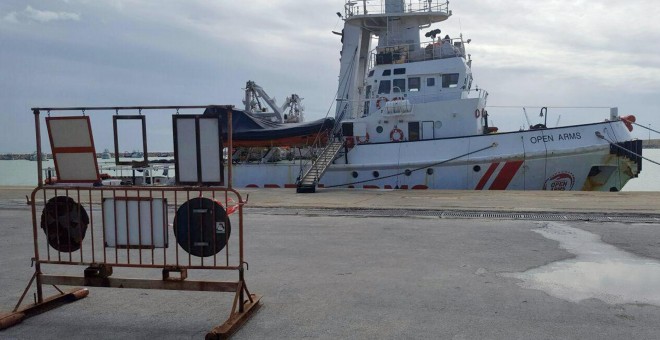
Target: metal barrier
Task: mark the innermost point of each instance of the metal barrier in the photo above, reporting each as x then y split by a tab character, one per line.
173	229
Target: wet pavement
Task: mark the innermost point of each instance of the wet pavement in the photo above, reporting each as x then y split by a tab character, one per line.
598	270
388	277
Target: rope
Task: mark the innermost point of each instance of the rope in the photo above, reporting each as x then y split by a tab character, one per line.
418	169
549	107
644	127
600	135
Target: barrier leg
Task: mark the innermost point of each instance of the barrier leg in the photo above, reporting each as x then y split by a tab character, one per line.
246	309
19	314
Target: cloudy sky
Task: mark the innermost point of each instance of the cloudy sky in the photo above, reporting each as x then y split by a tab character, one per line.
577	53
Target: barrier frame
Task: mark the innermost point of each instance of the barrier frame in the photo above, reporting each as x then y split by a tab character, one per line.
99	271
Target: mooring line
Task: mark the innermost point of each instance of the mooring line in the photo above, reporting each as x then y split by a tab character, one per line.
600	135
420	168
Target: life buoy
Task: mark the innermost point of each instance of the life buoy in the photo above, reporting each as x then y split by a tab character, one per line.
362	140
350	142
396	135
381	99
477	113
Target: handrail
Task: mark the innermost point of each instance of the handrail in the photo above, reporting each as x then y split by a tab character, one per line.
414	97
376	7
116	108
403	53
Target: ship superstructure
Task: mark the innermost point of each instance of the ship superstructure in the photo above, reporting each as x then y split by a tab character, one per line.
402	76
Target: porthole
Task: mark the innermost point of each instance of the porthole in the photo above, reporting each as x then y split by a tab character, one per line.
429	171
376	174
476	168
354	174
379	129
407	172
438	124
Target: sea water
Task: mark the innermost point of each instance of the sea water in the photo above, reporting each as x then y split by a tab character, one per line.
24	172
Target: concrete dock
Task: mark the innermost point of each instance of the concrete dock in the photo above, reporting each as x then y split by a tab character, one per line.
335	264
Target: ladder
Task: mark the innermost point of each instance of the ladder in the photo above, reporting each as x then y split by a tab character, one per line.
307	184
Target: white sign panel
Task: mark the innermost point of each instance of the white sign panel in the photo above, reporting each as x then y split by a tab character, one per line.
132	222
73	150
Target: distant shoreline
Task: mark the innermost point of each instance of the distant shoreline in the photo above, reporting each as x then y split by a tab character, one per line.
651	144
30	156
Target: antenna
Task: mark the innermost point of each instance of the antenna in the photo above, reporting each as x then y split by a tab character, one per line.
527	117
557	123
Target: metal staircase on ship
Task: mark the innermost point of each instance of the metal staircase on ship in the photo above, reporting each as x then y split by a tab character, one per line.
308	182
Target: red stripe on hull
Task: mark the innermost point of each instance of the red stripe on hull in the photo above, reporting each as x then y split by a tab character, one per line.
486	176
506	175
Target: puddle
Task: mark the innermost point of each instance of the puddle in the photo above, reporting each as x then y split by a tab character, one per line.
599	271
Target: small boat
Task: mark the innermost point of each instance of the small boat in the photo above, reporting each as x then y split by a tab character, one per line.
249	130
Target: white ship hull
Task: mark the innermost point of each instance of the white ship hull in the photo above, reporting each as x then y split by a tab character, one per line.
566	158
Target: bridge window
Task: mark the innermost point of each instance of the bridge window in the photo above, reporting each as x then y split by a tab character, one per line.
414	84
368	94
430	82
387	72
450	80
399	85
371	73
384	87
399	71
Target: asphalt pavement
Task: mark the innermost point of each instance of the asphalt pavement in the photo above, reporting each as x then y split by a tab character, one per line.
358	277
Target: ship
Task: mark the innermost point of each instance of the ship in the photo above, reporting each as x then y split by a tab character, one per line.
408	117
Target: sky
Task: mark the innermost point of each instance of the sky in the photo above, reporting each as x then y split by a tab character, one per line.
554	53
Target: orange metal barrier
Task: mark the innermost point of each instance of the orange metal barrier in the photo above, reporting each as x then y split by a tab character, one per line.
140	227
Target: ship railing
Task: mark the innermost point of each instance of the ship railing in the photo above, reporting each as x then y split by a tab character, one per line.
410	53
361	107
376	7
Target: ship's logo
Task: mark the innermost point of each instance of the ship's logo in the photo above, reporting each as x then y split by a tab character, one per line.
561	181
